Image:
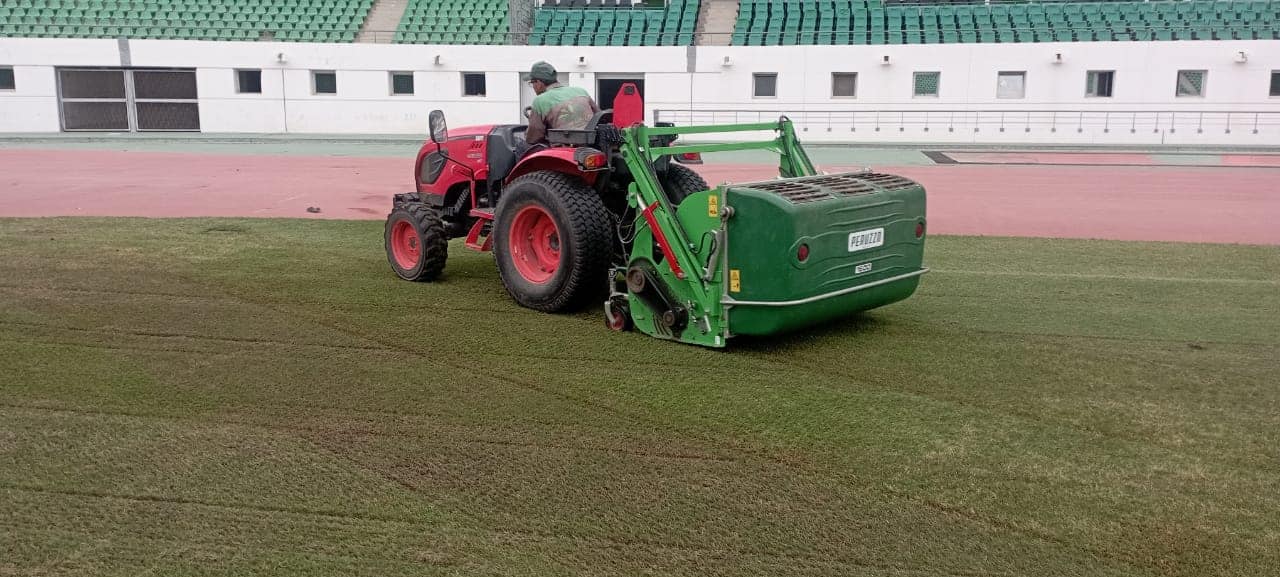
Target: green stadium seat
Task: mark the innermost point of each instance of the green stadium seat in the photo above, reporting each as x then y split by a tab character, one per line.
758	21
187	19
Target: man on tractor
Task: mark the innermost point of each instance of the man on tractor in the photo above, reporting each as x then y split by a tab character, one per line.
556	106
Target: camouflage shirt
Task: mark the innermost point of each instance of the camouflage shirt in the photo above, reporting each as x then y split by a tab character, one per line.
559	106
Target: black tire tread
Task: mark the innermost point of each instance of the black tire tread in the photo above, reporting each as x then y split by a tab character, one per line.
681	181
435	239
589	223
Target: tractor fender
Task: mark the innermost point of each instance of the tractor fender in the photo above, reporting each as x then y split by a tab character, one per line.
552	160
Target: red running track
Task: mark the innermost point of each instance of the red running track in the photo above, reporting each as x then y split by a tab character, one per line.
1165	203
1110	158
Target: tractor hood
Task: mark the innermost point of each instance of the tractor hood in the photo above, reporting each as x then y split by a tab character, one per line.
465	132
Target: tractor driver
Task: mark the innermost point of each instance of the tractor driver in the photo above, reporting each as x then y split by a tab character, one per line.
555	106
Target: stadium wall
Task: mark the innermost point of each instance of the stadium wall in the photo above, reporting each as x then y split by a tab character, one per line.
681	81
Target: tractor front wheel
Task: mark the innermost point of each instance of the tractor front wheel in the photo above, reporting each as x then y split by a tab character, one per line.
552	240
416	242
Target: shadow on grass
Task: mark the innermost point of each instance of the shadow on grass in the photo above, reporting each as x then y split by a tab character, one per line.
859	325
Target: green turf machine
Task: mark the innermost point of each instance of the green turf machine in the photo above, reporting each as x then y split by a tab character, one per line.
761	258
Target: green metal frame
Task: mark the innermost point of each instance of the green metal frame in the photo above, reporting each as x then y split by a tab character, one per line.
794	161
701	285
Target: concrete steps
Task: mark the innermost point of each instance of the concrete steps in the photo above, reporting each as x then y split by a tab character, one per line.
379	27
716	20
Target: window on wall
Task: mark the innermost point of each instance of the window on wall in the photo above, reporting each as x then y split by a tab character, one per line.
6	78
249	81
925	83
324	82
1098	83
1275	83
764	85
1011	85
402	83
473	84
1191	82
844	84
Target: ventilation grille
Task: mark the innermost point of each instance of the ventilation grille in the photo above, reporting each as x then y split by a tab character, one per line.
825	187
888	181
794	191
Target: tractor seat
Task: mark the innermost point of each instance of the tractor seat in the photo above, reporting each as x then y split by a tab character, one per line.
502	151
603	136
507	135
598	133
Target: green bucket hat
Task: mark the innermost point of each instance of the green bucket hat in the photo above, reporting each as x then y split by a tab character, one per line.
543	71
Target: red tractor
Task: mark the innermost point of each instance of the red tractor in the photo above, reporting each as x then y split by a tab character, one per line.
550	217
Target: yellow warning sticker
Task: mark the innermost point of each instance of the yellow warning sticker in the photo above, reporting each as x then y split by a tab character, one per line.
713	206
735	281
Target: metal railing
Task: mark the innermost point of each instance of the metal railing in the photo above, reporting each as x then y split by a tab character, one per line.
998	121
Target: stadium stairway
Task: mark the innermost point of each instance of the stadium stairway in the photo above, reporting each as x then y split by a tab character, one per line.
717	21
384	19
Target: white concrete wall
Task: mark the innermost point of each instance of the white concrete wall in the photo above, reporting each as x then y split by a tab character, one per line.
1145	76
33	104
364	103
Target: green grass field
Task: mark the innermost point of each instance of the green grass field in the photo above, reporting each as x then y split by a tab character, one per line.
200	397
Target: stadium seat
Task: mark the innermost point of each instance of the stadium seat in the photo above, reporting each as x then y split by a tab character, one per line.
182	19
622	23
628	23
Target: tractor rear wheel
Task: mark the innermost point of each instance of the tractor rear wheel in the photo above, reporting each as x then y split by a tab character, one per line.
416	241
681	181
552	240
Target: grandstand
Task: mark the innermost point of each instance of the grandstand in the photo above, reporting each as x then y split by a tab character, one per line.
795	22
624	23
453	22
615	23
290	20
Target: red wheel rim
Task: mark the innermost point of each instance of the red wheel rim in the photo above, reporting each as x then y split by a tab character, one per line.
535	244
404	244
617	321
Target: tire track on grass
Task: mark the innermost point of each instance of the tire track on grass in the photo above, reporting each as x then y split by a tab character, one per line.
597	542
431	439
994	522
1007	333
412	305
239	508
507	538
989	520
1084	276
193	337
110	347
99	292
749	452
463	367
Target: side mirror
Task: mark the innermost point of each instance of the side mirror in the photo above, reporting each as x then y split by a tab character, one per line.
528	111
439	132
